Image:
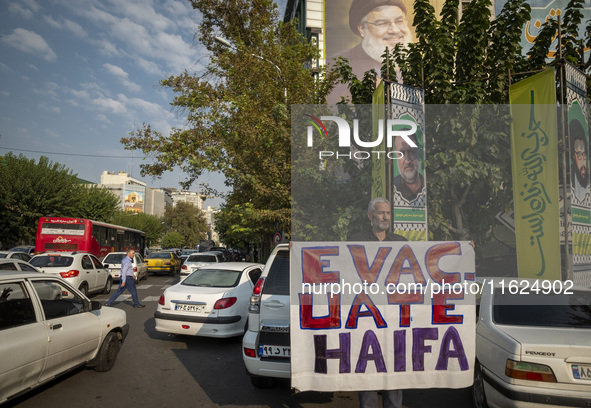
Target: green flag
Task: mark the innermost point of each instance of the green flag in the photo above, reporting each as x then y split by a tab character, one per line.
534	159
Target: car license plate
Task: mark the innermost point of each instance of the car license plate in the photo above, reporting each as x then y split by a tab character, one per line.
274	351
581	372
189	308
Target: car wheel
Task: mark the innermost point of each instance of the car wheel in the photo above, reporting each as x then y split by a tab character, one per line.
145	276
478	395
108	286
262	382
108	353
84	289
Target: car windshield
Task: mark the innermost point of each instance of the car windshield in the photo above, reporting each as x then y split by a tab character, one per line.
544	310
114	258
201	258
51	260
218	278
159	255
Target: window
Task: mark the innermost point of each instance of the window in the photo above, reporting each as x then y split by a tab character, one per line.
57	299
16	307
96	262
27	268
254	275
8	266
86	262
277	282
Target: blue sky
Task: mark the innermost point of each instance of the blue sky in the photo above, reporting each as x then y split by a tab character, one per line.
78	75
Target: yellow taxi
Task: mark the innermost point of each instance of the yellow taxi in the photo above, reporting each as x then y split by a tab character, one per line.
163	262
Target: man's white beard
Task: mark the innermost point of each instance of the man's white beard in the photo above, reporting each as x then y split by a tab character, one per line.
374	49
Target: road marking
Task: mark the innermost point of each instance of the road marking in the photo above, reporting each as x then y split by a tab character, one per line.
144	286
151	299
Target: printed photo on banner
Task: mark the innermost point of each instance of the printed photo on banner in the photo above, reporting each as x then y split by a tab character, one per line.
374	316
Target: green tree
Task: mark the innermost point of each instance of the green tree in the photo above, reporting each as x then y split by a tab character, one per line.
152	225
172	239
97	203
188	220
30	190
239	123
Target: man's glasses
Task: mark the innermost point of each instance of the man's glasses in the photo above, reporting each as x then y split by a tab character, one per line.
385	24
580	154
410	154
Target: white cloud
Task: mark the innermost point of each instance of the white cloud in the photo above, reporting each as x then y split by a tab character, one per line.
65	24
122	76
109	104
6	67
103	118
53	134
149	66
33	67
29	42
4	93
25	8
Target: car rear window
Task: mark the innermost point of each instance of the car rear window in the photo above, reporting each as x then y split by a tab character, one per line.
114	258
159	255
201	258
3	255
549	310
217	278
277	281
51	260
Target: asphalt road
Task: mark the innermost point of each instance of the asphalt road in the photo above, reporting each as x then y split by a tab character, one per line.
158	370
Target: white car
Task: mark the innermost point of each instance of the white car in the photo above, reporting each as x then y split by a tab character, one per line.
15	255
266	345
83	270
533	350
113	264
16	265
199	260
48	328
211	302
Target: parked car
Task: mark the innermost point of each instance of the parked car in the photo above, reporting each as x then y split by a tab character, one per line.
16	265
199	260
266	344
185	254
27	249
113	264
48	328
15	255
533	350
163	261
83	270
224	251
211	302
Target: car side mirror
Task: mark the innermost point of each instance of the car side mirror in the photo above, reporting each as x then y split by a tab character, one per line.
105	265
95	305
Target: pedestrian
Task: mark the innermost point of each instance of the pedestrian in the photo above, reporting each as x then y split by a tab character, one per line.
126	281
379	212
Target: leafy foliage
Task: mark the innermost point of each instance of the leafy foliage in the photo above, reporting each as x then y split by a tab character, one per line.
153	226
31	190
172	239
188	221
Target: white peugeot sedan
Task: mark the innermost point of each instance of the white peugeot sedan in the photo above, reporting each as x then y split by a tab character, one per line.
112	262
533	349
199	260
211	302
47	328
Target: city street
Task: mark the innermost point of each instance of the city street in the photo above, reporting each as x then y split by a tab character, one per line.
159	370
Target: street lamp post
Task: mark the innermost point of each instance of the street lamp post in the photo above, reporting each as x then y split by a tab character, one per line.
227	44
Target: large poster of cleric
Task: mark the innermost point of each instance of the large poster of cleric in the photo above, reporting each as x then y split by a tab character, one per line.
377	316
409	192
578	136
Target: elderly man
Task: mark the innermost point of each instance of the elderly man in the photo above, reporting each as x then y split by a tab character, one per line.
381	24
409	182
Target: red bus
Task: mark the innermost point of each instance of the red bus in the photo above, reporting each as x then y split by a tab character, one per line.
78	234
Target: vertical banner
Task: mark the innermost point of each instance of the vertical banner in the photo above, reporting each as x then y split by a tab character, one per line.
409	190
534	162
382	316
378	169
578	137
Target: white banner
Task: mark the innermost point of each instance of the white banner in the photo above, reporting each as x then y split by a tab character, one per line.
383	315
